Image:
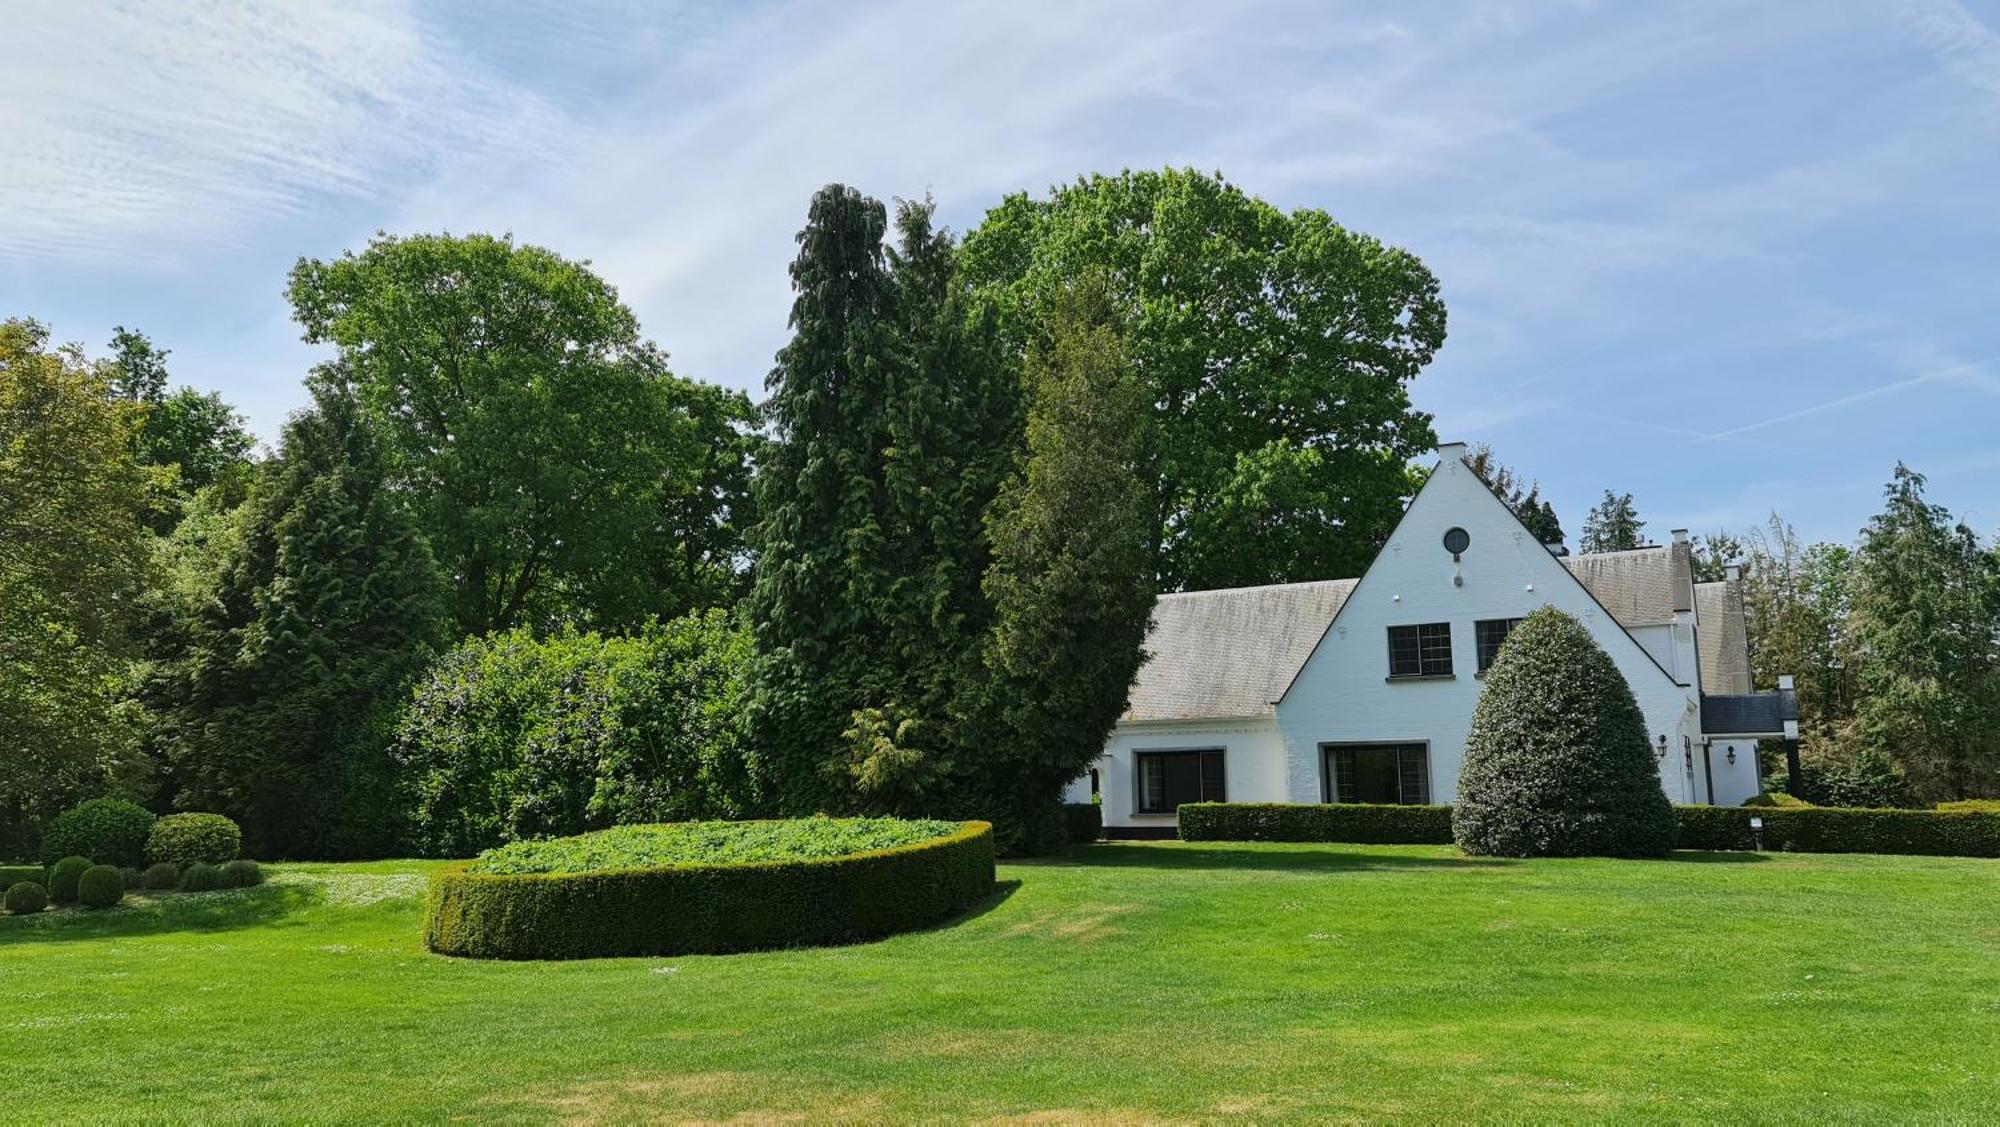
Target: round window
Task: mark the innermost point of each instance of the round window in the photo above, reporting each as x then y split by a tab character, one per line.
1456	540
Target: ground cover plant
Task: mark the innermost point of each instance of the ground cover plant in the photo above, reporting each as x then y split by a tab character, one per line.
708	843
1128	982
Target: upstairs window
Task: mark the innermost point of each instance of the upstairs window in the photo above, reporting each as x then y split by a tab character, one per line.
1169	778
1490	633
1420	651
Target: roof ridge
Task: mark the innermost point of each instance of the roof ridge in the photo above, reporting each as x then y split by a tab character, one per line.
1255	587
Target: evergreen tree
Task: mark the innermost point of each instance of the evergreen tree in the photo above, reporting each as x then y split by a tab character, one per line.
1071	578
327	609
1535	514
1796	600
1926	626
1612	526
1713	554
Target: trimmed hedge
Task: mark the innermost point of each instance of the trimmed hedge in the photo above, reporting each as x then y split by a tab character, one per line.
1776	798
11	875
1976	805
110	831
100	886
201	877
1359	823
63	876
25	898
1083	821
184	839
709	909
242	874
1833	829
163	877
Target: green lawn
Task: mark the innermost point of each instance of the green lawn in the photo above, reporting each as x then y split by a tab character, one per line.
1131	982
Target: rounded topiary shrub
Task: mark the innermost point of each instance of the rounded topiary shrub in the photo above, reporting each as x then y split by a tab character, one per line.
1557	763
25	897
110	831
100	886
187	838
242	874
201	877
63	876
682	889
162	877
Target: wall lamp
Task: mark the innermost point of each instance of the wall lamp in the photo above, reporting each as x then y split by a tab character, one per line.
1731	755
1662	752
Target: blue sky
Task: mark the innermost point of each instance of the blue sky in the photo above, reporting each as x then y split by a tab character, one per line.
1730	257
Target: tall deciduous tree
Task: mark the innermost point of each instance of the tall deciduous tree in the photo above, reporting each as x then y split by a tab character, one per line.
196	434
1926	625
1073	550
543	440
1535	514
1276	348
328	608
1795	599
72	558
1613	525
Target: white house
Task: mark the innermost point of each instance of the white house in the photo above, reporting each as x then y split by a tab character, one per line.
1361	690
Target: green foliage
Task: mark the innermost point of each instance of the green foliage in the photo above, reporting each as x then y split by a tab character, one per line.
110	831
1972	805
1535	514
1336	821
134	878
187	838
328	607
1825	829
201	877
710	908
1083	821
709	843
1796	600
545	444
1613	525
63	878
1867	780
1775	798
72	502
1712	554
1275	347
100	886
242	874
162	876
510	737
25	898
1557	762
1071	554
11	875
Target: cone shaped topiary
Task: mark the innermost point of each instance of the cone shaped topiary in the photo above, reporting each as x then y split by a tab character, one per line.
1557	763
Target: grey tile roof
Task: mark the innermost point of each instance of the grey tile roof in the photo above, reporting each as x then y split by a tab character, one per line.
1721	639
1638	587
1230	653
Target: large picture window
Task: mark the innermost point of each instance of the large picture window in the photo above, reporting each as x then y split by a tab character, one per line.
1169	778
1389	774
1420	651
1490	634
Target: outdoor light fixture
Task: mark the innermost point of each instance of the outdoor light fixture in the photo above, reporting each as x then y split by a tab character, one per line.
1731	755
1757	832
1662	753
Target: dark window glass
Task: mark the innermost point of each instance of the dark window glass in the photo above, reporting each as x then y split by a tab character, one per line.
1490	633
1420	651
1392	774
1169	778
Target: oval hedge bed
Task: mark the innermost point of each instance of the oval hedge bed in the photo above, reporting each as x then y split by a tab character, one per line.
709	888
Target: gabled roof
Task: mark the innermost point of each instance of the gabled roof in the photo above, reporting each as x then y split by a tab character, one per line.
1230	653
1722	639
1642	587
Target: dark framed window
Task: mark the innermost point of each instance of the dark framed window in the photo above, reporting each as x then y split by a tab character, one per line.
1169	778
1420	651
1489	633
1388	774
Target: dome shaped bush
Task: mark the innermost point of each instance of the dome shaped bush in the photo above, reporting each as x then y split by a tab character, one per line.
100	886
63	876
162	877
185	839
1557	762
110	831
242	874
201	877
26	897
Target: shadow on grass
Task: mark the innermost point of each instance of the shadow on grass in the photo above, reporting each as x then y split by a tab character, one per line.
1703	857
143	914
1274	855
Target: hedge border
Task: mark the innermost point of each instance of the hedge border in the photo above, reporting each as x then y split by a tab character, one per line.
1083	822
709	908
11	875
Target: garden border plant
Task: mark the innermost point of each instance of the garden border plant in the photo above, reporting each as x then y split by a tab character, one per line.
709	908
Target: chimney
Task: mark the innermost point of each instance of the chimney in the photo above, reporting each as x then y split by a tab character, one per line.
1449	450
1680	535
1733	572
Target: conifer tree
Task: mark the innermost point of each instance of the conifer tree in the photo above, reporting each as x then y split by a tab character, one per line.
1613	525
329	606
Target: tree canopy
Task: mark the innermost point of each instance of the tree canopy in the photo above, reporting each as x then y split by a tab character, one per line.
1613	525
1535	514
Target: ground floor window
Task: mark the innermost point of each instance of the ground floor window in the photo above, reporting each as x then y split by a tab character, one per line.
1395	774
1169	778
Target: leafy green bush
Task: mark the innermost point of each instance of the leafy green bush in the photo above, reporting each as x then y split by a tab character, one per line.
1867	782
162	877
11	875
100	886
1828	829
110	831
25	897
134	878
186	838
708	843
512	737
1557	763
709	908
1776	798
201	877
63	878
1083	820
242	874
1285	821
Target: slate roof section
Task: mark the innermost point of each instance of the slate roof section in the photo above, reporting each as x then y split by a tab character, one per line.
1721	638
1231	654
1749	714
1638	587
